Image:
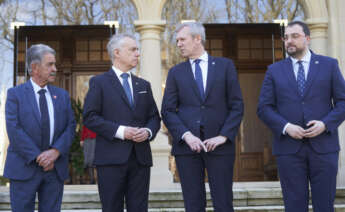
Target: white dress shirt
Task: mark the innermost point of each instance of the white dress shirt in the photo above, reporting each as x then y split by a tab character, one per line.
204	70
204	67
37	88
120	133
305	62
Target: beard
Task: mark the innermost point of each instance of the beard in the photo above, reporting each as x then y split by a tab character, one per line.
294	51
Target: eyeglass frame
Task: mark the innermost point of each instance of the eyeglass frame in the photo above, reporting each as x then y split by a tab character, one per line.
293	36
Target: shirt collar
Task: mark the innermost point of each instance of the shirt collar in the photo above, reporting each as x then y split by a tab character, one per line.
306	58
118	72
37	87
203	57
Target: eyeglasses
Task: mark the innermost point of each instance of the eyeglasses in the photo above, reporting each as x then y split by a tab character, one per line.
293	36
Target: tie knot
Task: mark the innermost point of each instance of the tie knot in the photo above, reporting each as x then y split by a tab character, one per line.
42	91
197	61
300	62
124	76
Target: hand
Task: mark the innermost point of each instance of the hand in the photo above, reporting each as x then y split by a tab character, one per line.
47	157
295	131
315	128
212	143
49	167
130	132
194	143
81	143
141	135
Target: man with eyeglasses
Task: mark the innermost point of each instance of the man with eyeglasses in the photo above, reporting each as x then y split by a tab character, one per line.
302	101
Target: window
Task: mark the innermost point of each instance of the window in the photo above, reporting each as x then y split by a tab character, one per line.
91	50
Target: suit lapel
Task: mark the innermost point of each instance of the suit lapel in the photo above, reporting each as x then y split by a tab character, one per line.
288	69
118	86
191	79
135	86
30	94
55	98
210	75
313	70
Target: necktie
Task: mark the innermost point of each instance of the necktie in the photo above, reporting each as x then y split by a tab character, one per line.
45	123
126	87
300	78
198	78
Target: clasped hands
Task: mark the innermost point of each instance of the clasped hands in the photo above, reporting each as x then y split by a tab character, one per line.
136	134
47	159
314	129
207	145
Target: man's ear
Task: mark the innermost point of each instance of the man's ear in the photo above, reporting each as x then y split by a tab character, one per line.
198	38
116	52
34	67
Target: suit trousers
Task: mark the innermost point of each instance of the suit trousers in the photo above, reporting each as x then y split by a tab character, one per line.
219	168
129	181
297	171
48	187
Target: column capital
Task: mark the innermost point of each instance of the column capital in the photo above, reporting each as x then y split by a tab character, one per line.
318	27
155	25
150	29
320	20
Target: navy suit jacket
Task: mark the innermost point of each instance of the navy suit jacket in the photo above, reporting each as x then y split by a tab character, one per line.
220	112
106	107
323	99
24	131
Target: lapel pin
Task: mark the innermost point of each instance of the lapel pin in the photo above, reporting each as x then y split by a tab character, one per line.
54	97
317	62
136	83
213	63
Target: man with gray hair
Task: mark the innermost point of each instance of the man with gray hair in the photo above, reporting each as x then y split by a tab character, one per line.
119	107
40	125
202	109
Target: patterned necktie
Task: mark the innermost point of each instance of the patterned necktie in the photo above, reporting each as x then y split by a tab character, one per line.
300	78
45	123
198	78
126	87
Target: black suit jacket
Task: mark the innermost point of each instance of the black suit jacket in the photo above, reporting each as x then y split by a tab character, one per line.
106	107
220	112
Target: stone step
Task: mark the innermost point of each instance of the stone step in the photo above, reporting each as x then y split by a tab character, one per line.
338	208
246	199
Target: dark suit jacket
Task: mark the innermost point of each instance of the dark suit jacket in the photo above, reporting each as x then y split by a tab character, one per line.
106	107
324	99
220	112
24	131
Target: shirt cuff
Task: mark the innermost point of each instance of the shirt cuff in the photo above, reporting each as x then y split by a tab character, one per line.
284	130
150	132
120	133
184	134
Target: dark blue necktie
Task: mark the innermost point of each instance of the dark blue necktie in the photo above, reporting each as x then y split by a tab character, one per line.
198	78
45	123
300	78
126	87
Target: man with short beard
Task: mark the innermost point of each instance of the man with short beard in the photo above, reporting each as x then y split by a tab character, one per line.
302	100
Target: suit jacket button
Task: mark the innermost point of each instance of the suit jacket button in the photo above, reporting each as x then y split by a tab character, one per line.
198	122
202	107
302	103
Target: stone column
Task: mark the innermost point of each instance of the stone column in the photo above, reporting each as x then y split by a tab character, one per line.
151	70
319	35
